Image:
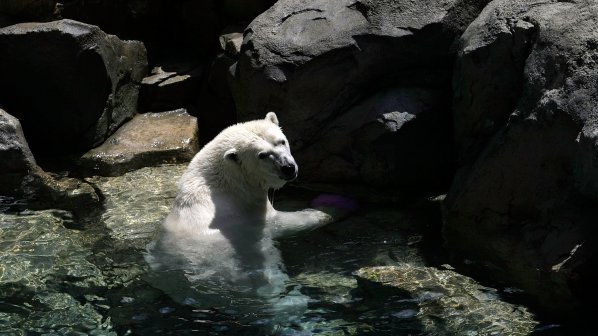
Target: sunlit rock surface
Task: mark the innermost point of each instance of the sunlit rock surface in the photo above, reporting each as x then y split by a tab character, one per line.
147	140
466	307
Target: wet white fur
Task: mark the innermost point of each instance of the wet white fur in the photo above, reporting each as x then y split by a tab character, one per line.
222	225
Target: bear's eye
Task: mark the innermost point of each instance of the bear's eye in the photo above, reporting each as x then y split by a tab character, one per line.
262	155
281	142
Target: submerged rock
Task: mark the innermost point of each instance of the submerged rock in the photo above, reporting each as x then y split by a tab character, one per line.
465	306
149	139
137	202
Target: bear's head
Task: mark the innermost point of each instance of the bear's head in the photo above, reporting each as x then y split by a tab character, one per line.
262	155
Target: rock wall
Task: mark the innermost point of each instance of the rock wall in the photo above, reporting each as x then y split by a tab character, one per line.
525	111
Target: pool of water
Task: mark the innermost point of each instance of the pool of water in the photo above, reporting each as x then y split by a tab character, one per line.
61	275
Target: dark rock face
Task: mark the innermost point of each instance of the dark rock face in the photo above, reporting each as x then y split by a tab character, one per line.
488	76
518	206
397	137
311	61
75	90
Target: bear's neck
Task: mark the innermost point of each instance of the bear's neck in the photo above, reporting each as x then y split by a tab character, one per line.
244	191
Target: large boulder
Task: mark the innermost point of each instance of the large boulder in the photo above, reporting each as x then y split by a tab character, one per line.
312	61
73	88
518	206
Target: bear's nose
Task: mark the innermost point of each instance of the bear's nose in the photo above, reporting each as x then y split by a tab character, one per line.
289	171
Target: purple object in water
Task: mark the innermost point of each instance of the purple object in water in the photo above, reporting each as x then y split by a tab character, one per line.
335	201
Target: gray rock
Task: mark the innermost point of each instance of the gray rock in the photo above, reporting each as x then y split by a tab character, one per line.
516	207
310	61
216	107
147	140
230	43
74	89
15	155
16	160
487	80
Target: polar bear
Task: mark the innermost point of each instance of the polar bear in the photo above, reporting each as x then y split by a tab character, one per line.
222	227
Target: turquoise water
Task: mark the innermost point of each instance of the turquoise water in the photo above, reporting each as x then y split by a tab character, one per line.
61	275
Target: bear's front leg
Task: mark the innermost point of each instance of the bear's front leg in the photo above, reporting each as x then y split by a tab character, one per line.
325	209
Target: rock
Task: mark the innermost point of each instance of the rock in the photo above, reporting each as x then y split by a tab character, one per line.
21	176
16	160
310	61
215	105
517	207
75	90
147	140
170	86
396	137
487	79
53	191
230	42
468	307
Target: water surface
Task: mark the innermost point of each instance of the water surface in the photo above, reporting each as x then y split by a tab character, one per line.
66	276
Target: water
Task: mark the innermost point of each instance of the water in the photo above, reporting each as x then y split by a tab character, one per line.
65	276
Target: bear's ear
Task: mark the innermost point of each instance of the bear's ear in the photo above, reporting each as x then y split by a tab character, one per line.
231	155
271	116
